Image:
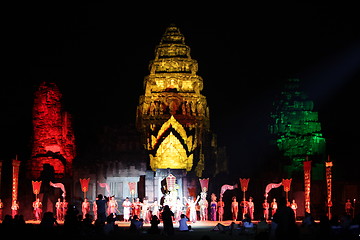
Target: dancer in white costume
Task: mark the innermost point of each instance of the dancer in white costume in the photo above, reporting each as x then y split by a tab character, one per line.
192	206
178	209
127	209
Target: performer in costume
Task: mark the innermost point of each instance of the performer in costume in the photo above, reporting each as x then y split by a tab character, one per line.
221	206
112	206
95	208
85	207
244	207
251	208
348	207
65	207
178	209
192	206
273	207
203	203
155	209
213	207
127	209
37	209
136	207
234	208
145	212
1	209
266	209
14	208
294	207
59	208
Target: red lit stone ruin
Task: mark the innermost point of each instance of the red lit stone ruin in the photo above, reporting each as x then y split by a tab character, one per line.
53	139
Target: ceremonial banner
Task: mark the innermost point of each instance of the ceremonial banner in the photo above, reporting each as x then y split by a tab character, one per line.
36	185
307	182
204	183
170	182
132	187
271	186
15	180
244	182
59	185
226	187
328	166
287	184
84	182
106	186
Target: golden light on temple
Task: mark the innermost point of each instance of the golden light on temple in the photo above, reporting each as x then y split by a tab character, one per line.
171	151
173	115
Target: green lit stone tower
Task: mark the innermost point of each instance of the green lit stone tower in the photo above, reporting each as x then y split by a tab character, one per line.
296	127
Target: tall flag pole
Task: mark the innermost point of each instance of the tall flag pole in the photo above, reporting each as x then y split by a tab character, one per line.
307	184
15	180
328	165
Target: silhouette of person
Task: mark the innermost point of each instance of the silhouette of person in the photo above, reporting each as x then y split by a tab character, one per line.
167	217
285	220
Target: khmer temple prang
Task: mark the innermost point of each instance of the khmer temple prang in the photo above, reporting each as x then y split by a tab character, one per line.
171	137
169	153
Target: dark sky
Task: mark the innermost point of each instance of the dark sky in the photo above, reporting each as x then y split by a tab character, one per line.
98	54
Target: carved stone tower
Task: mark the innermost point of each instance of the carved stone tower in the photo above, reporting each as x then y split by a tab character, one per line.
53	140
173	115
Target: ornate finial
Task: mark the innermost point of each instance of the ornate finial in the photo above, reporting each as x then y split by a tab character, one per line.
172	35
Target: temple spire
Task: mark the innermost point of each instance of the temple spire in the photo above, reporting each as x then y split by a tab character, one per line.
174	106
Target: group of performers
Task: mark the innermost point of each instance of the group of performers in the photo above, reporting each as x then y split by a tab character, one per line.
190	206
145	210
247	208
274	206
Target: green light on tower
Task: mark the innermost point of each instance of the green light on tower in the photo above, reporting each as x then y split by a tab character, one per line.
296	127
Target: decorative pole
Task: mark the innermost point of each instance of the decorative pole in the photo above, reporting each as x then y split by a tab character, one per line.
15	180
307	182
84	185
328	165
287	185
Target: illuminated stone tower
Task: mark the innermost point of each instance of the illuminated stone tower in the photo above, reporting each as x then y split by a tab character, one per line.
53	139
296	127
173	115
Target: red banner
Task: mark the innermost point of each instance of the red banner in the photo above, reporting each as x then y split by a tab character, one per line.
15	180
226	187
287	184
244	182
36	185
84	184
204	183
132	187
271	186
307	182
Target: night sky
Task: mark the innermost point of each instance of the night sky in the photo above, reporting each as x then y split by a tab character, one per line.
98	55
